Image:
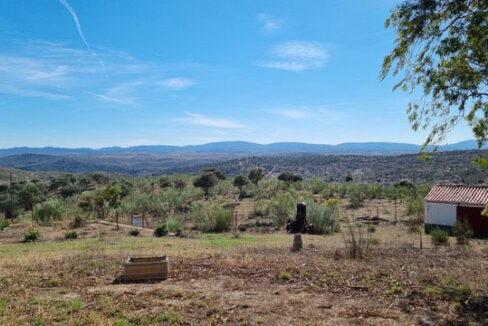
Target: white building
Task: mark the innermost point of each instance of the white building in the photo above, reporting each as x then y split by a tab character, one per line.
445	204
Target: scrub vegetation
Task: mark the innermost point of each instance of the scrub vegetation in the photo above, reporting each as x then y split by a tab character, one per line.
231	260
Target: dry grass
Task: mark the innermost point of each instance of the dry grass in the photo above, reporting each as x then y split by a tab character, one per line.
248	280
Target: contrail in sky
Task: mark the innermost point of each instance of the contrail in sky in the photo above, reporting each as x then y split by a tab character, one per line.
80	31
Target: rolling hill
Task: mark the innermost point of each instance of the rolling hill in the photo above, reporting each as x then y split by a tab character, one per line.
448	166
248	148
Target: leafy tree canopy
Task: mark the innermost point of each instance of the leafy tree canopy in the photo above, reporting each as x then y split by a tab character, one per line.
441	47
255	175
289	177
219	174
240	181
206	181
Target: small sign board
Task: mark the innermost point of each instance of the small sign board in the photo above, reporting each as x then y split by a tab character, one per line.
137	221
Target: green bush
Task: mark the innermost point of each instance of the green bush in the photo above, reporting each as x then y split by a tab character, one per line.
3	224
173	225
285	276
281	208
356	197
357	240
49	210
415	206
463	232
71	235
439	236
208	217
322	219
223	219
134	232
260	209
160	230
31	235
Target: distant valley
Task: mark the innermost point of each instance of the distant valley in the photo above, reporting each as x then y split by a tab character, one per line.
446	166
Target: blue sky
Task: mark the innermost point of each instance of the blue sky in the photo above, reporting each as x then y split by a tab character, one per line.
101	73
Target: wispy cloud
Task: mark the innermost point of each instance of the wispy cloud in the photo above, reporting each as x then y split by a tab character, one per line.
315	113
120	94
11	90
297	56
293	114
31	70
47	68
201	120
80	31
268	23
176	83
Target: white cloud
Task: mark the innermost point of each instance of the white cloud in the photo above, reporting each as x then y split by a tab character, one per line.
120	94
32	70
80	31
268	23
177	83
297	56
316	113
48	68
300	50
201	120
293	114
11	90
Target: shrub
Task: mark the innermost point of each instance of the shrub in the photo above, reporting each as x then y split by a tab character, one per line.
31	235
334	204
169	316
71	235
374	241
356	197
160	230
415	206
463	232
396	289
208	217
134	232
260	209
284	276
173	225
439	236
223	220
49	210
3	224
322	219
357	241
281	208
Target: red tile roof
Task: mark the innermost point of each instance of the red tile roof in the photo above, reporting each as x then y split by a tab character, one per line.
469	195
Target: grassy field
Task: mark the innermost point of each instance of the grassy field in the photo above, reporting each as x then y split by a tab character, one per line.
245	280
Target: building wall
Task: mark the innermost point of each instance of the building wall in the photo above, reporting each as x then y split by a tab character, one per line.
440	214
477	222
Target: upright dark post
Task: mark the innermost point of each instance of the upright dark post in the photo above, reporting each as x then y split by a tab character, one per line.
298	226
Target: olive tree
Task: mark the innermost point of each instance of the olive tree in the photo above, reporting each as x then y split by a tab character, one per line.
255	175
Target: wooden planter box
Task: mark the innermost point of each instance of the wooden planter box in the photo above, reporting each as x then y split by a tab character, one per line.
146	268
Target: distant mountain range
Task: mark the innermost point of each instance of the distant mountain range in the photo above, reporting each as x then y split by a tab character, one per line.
445	167
241	147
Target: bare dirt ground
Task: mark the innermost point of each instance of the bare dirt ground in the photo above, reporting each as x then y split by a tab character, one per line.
253	279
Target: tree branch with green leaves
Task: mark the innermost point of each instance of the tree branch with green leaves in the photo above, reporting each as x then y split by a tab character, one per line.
441	47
